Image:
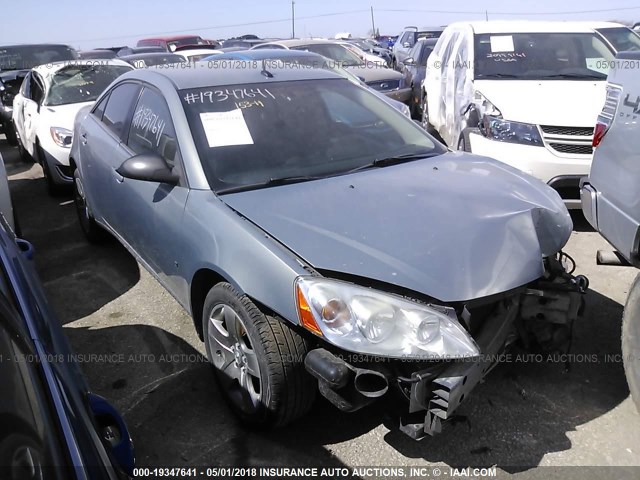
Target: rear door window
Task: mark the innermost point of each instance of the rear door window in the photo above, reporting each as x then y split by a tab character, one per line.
119	105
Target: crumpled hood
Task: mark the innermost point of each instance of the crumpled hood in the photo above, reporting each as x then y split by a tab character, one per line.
454	227
571	103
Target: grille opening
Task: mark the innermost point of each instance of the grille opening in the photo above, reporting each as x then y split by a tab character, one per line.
571	148
574	131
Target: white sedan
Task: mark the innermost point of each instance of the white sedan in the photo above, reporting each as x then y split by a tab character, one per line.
46	106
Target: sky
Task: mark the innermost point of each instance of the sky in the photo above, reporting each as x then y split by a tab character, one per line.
88	24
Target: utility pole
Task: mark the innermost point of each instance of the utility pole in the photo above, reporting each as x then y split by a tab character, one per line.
293	19
486	15
373	23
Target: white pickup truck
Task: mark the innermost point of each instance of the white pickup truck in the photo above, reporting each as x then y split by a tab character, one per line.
610	195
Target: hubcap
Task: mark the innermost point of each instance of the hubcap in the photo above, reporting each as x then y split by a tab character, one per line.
233	355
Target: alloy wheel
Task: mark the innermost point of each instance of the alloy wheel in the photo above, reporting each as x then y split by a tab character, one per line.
234	358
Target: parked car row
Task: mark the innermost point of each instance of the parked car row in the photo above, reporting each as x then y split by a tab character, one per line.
344	258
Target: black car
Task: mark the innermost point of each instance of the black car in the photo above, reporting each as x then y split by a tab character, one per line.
15	63
414	69
52	426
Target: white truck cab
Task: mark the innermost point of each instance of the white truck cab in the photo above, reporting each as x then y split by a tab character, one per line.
525	93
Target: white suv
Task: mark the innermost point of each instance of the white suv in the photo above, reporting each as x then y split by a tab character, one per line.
525	93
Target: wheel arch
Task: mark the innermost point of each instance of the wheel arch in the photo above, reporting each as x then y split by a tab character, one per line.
202	281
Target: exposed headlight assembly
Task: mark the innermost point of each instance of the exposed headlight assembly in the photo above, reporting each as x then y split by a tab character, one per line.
495	127
367	321
62	136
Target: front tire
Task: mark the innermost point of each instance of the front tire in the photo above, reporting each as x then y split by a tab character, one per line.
631	341
93	232
52	188
258	361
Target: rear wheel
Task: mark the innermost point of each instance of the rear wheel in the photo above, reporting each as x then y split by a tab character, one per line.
258	361
464	144
631	341
10	133
92	231
24	155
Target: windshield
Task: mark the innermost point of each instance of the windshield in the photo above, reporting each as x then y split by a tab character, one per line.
335	52
25	57
623	39
435	34
538	56
81	83
310	129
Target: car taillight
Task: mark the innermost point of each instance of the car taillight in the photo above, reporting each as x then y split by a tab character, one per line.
605	119
598	133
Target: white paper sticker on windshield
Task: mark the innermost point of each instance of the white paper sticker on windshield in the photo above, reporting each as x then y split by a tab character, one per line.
226	128
502	43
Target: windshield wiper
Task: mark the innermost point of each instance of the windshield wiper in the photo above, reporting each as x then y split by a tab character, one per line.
393	160
583	76
498	75
272	182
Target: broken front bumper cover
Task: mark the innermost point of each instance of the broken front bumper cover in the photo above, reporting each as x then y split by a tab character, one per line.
540	314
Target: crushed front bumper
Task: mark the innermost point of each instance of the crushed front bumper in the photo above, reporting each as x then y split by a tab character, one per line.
539	315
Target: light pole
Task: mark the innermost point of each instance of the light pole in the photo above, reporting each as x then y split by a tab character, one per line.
373	23
293	19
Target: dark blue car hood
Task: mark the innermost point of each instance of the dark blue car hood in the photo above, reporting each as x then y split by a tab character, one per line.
454	227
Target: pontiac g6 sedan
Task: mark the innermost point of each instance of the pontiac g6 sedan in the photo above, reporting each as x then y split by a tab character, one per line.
321	240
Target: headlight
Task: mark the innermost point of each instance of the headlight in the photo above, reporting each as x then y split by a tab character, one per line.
495	127
371	322
62	136
513	132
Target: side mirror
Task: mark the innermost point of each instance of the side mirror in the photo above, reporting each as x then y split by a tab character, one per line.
409	61
148	167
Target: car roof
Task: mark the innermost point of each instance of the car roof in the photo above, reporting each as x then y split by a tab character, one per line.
532	26
186	78
37	45
49	69
199	51
268	53
297	42
143	56
170	38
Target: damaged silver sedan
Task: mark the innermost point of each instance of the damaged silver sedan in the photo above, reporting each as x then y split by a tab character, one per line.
321	240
